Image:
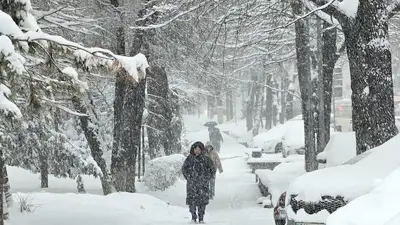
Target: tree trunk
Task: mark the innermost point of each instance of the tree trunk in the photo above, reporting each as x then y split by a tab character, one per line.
159	112
289	101
3	205
220	107
131	132
229	105
7	187
210	107
92	138
304	73
174	132
329	59
321	131
371	74
250	104
284	89
275	106
268	103
117	162
44	169
257	109
378	70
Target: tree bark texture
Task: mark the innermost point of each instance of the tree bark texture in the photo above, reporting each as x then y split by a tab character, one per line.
159	117
92	138
304	73
268	102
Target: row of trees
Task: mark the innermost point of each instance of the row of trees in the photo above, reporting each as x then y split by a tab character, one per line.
365	29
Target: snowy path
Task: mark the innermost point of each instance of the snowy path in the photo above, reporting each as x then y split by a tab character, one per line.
236	190
234	203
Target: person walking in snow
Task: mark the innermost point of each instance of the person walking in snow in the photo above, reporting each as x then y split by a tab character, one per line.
198	170
217	164
215	137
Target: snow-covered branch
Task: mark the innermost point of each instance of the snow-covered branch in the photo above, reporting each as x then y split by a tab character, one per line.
174	18
393	7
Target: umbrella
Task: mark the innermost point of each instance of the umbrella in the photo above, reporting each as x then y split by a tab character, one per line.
211	124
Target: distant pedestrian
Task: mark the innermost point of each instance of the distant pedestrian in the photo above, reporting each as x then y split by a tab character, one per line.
217	164
215	138
198	170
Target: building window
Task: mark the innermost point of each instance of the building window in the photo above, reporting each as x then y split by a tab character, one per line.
338	92
338	82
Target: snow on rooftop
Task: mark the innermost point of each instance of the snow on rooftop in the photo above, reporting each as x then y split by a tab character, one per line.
349	181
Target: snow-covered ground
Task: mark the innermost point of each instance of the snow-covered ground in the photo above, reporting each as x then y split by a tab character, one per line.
234	203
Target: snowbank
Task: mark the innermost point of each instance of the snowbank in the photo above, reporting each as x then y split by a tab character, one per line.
349	181
163	172
340	148
77	209
378	207
280	178
22	180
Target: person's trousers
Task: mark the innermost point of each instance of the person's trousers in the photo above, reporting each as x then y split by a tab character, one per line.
212	187
197	211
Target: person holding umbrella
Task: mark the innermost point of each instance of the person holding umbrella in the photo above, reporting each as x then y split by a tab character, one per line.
214	135
215	138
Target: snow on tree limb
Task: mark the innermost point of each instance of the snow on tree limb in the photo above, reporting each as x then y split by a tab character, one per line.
335	9
321	14
6	106
155	26
393	7
130	64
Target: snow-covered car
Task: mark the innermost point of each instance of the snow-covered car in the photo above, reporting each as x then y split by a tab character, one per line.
279	210
312	197
379	207
340	148
272	140
293	138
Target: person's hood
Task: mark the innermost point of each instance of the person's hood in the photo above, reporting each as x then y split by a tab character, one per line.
197	144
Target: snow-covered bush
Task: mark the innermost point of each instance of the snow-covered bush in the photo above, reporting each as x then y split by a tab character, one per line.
162	172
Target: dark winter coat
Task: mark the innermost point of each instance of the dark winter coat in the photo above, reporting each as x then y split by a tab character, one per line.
197	170
215	135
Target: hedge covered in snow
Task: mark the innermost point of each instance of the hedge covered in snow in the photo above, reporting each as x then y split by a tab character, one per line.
162	172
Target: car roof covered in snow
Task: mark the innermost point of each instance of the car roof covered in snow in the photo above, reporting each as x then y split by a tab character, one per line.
379	207
349	181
